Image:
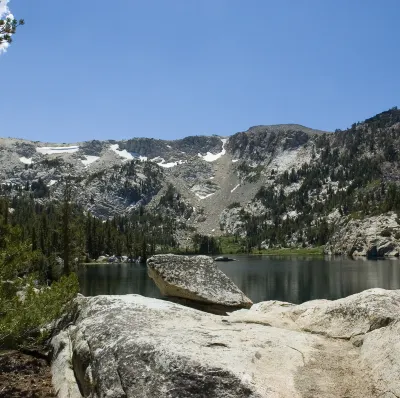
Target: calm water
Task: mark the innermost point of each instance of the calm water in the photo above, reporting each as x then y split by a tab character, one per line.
261	278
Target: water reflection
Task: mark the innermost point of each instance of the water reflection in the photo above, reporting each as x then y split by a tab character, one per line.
301	279
98	279
262	278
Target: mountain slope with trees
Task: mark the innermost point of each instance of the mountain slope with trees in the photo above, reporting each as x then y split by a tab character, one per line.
352	174
268	187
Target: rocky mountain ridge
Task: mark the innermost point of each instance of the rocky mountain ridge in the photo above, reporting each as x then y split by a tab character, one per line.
282	185
199	167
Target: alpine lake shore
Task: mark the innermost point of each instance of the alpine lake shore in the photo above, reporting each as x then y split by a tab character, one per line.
207	339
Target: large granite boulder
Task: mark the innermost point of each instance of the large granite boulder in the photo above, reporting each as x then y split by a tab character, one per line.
346	318
136	347
196	281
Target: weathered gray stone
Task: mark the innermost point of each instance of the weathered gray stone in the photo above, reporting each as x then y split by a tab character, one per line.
196	279
370	237
345	318
380	351
136	347
63	377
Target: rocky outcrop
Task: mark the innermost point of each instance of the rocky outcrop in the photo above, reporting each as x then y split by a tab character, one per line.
369	320
194	170
233	219
204	189
377	236
346	318
169	150
197	281
261	143
134	347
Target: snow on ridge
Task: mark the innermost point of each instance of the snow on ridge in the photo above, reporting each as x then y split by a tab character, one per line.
161	162
26	160
52	182
235	160
205	196
125	154
51	150
210	157
234	189
167	165
171	164
89	160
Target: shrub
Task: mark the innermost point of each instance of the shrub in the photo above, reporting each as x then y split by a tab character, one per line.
23	316
386	232
233	205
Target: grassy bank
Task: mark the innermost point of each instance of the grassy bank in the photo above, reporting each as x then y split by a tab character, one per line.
232	245
312	251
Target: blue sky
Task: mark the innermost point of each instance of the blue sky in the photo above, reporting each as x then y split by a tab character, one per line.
88	69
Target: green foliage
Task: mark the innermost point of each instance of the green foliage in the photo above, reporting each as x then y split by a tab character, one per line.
386	232
16	256
234	205
39	189
355	174
27	303
206	245
8	27
232	245
251	174
356	215
173	201
22	317
312	251
50	228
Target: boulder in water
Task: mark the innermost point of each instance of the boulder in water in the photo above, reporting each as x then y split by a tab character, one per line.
196	281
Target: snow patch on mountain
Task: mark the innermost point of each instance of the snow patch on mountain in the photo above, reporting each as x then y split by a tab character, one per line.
125	154
54	150
26	160
205	189
204	196
170	164
234	189
89	159
210	157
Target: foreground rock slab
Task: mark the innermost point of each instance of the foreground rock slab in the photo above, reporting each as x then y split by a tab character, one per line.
136	347
196	280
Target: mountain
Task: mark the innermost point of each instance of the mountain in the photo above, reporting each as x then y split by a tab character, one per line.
281	185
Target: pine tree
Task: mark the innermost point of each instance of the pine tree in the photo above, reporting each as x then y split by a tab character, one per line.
66	228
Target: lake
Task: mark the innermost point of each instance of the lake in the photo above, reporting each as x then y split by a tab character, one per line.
292	279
